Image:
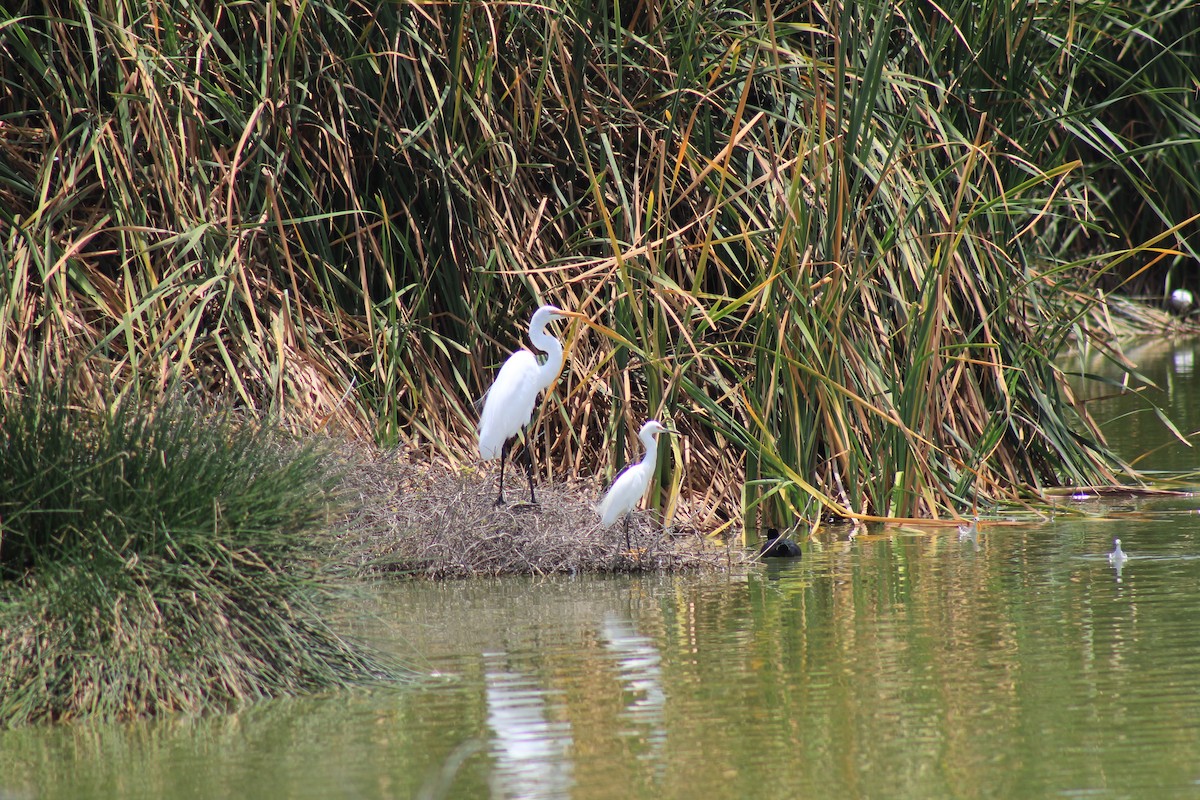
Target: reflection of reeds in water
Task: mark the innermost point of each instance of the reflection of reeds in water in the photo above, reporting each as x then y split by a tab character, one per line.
825	229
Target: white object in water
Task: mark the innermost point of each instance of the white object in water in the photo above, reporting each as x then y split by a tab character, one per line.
968	530
1117	556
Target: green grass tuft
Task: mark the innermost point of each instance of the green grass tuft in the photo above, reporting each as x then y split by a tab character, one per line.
159	560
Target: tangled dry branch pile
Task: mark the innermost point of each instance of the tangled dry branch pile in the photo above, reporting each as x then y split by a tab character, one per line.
431	520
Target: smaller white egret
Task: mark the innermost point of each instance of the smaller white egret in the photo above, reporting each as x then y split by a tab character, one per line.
1181	301
631	484
1117	557
508	405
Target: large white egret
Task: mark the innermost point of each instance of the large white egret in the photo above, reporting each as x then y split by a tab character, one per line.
631	484
508	405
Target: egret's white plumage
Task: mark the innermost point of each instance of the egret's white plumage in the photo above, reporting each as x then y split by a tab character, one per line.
1117	556
631	484
508	405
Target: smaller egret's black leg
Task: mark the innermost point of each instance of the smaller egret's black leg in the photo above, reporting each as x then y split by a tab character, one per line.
503	456
529	470
628	546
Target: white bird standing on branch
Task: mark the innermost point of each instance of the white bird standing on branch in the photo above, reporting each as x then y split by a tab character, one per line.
631	484
508	405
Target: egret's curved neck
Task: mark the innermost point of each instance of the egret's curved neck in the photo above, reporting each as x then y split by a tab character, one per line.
553	349
651	457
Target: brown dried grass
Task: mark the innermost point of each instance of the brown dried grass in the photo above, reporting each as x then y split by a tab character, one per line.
412	515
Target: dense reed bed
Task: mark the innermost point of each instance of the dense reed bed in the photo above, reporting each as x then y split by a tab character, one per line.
843	242
159	562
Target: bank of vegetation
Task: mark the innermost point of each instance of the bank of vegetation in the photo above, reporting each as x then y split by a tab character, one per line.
842	245
845	240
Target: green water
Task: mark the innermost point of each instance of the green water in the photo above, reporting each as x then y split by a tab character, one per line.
1169	380
913	663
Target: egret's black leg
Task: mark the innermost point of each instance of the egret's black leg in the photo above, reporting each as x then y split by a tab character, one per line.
529	470
503	456
628	547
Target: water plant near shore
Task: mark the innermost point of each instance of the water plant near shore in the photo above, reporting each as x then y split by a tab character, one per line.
846	240
160	560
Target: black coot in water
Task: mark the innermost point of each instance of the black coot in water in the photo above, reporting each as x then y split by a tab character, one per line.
777	546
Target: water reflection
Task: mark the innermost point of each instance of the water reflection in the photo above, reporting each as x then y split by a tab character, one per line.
1184	361
911	664
531	748
1118	566
640	673
1165	378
